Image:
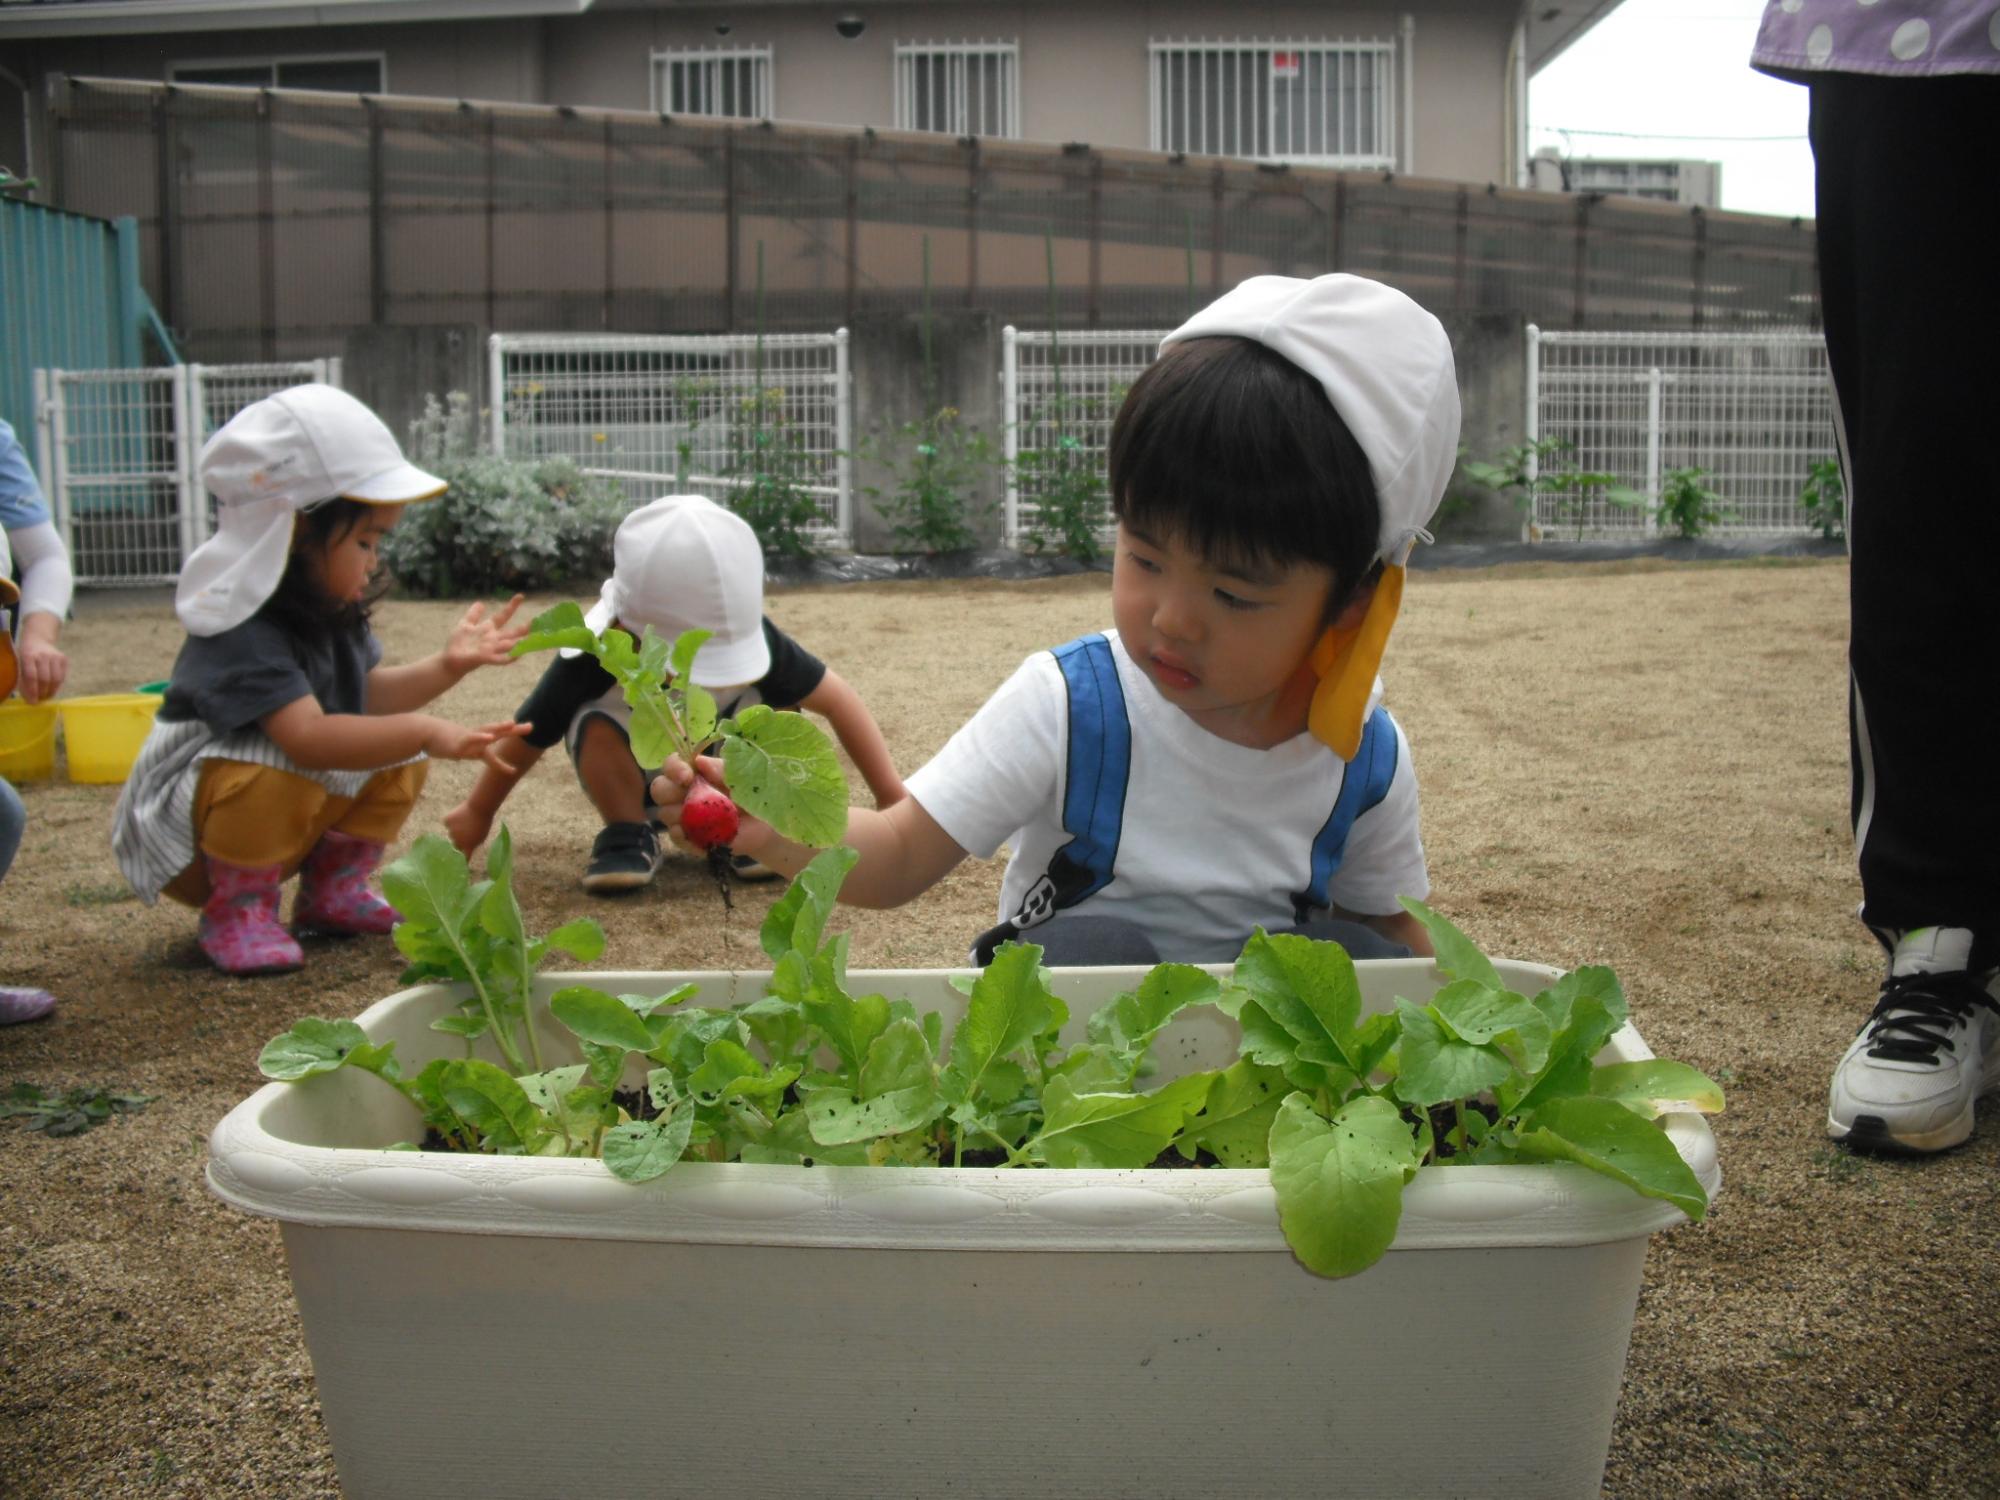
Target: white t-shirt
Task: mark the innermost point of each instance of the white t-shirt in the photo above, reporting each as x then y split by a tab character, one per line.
1216	836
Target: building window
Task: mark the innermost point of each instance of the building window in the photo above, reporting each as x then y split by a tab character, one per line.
734	82
338	75
959	88
1316	103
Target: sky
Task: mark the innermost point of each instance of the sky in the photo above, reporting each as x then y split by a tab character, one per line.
1672	78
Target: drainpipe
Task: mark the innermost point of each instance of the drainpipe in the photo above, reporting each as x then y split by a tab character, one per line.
1408	30
27	124
1522	176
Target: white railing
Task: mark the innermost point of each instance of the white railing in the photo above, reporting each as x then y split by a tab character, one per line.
117	452
1058	397
661	413
1755	411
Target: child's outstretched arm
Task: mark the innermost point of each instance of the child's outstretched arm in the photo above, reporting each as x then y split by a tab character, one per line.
860	736
469	823
477	640
319	741
903	850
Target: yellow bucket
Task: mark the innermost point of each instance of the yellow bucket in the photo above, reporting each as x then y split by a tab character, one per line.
27	740
102	734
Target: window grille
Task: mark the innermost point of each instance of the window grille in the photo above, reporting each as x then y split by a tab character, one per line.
1329	104
734	83
959	88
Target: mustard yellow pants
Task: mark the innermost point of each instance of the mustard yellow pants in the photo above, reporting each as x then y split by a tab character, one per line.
256	816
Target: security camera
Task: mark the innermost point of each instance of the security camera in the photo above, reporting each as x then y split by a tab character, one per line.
850	26
723	28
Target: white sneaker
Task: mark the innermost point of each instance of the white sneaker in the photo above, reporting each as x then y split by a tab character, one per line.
1930	1048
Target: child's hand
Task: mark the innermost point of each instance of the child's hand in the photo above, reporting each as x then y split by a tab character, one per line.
467	828
448	741
478	640
670	790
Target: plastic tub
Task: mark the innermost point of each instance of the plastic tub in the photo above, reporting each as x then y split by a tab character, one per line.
27	740
991	1332
102	734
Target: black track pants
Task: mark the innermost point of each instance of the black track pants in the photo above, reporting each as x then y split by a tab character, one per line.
1909	239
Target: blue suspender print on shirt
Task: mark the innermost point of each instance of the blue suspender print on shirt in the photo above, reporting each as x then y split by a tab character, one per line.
1099	765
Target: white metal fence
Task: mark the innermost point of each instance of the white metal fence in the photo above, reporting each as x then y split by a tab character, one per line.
1058	398
117	450
1754	411
662	413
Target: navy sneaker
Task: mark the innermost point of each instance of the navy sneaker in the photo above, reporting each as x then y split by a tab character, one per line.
625	858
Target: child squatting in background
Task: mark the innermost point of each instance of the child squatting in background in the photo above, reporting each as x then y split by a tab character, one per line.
282	743
680	563
1219	761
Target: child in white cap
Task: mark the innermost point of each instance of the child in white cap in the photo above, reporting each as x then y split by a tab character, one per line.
1219	761
680	563
283	744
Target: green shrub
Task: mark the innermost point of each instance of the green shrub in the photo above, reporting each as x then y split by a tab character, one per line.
769	470
1548	461
1824	498
505	525
935	464
1688	505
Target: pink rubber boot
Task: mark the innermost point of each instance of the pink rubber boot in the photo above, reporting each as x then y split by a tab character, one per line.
240	931
333	889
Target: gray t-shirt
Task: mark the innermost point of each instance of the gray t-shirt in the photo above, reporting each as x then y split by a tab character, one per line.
232	680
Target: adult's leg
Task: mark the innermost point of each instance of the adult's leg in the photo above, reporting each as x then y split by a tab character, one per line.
1906	207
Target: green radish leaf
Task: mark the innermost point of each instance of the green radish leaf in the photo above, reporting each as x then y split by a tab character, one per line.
491	1102
730	1071
898	1092
581	939
1242	1106
600	1018
1308	988
311	1046
850	1027
429	885
1339	1183
467	1024
1114	1130
1654	1087
1591	982
797	918
561	627
1605	1136
641	1150
1457	955
1010	1003
782	768
1433	1067
1473	1013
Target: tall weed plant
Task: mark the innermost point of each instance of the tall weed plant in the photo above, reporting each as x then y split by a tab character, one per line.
504	524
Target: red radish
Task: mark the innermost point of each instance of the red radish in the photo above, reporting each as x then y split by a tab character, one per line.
708	817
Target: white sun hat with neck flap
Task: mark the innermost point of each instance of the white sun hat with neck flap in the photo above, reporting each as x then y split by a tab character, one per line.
1386	366
682	562
289	452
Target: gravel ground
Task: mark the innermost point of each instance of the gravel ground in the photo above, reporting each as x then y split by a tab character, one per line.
1639	763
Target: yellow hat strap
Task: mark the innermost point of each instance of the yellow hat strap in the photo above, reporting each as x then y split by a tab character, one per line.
1346	662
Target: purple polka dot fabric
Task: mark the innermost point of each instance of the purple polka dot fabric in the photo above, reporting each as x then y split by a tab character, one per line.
1906	38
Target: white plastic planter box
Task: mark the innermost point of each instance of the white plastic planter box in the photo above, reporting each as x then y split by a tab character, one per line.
514	1326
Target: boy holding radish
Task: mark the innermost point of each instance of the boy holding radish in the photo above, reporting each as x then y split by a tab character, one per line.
1220	761
679	563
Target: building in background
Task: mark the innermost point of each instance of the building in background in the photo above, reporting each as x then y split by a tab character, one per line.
1690	184
1436	88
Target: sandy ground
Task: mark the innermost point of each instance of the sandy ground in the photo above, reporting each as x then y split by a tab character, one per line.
1627	763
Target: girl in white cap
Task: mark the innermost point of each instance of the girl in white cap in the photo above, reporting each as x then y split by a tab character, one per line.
283	744
1219	761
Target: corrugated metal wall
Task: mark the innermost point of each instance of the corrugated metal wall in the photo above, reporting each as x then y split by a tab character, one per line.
62	302
273	222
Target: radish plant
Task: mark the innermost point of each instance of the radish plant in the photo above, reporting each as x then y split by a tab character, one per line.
1341	1108
781	766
